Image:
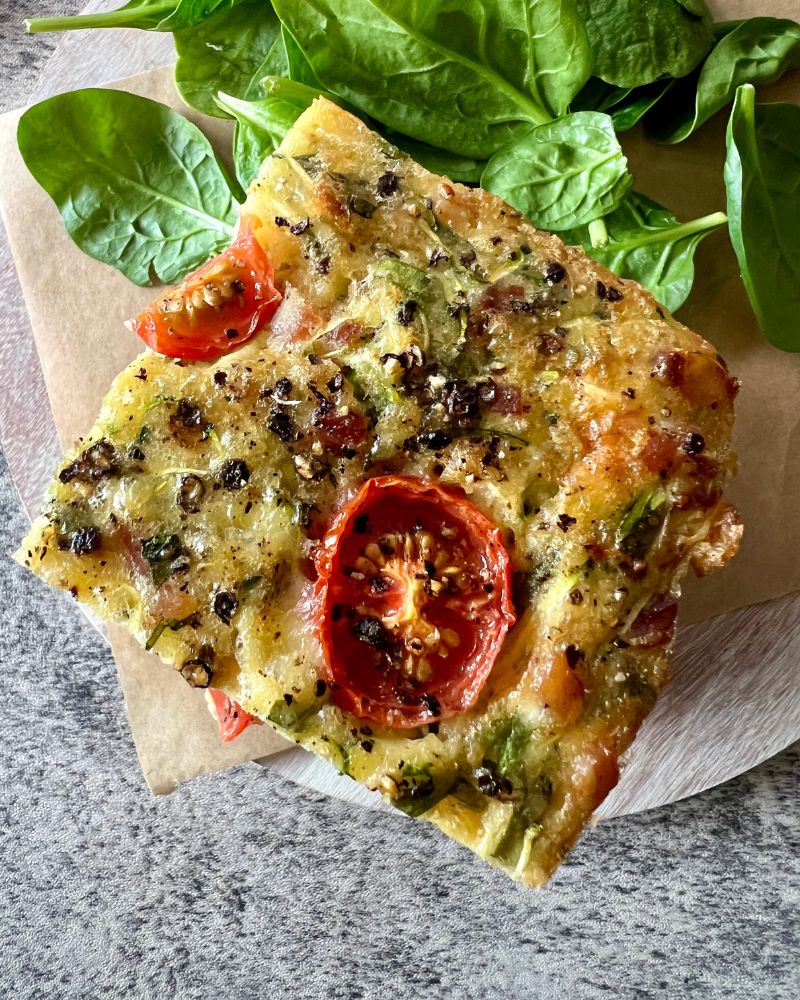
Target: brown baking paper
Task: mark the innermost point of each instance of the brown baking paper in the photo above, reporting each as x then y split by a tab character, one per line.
77	308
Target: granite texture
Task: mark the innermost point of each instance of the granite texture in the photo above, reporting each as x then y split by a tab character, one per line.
241	885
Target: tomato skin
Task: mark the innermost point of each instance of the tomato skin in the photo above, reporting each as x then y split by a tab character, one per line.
341	434
232	718
216	308
661	453
655	624
475	621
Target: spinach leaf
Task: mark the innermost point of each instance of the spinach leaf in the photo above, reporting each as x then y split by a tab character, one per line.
638	41
696	7
152	15
459	168
626	105
137	185
460	77
597	95
643	241
723	28
559	59
762	171
636	105
297	66
231	51
562	174
276	62
261	125
756	51
189	12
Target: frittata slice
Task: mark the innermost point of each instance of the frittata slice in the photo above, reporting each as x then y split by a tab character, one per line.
430	520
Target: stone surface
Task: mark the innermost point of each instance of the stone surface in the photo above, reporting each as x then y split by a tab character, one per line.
241	885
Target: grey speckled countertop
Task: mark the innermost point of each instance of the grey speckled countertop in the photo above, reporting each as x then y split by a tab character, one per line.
243	886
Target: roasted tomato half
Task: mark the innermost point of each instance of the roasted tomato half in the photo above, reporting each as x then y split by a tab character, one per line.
414	595
232	718
215	308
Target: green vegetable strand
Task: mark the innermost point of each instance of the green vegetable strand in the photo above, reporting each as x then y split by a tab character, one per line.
598	233
125	17
150	15
678	232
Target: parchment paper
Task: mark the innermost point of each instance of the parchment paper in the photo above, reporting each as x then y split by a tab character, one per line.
77	308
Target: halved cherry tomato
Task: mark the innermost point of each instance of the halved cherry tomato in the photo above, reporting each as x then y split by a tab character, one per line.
414	595
215	308
232	718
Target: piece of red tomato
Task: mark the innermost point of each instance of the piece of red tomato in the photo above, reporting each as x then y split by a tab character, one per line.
232	718
215	308
414	600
